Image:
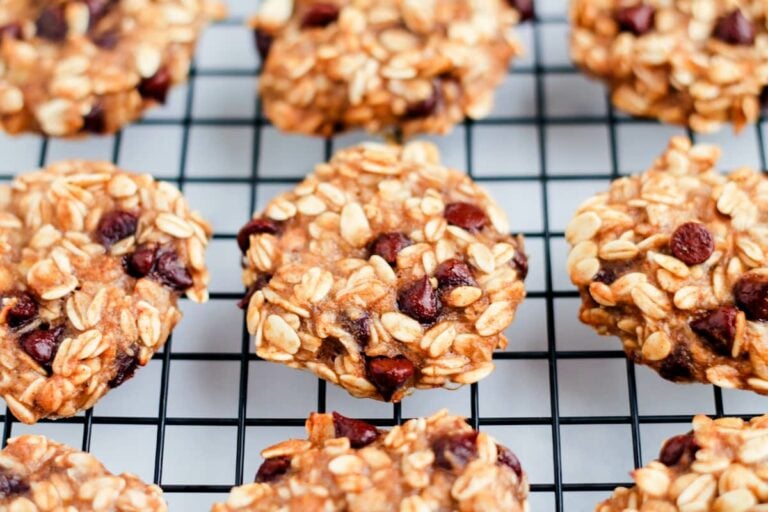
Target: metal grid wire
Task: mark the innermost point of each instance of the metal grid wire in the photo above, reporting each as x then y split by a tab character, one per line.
554	355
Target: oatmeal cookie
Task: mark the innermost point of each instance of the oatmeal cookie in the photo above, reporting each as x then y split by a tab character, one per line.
674	262
413	65
37	473
719	466
92	262
70	67
383	271
693	62
438	464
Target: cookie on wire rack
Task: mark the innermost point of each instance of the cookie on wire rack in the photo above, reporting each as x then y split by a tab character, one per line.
74	67
416	66
434	463
719	466
383	271
699	63
93	260
40	474
674	262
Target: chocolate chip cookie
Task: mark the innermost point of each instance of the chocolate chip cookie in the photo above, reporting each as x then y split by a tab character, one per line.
417	66
92	262
37	473
698	63
718	466
383	271
73	67
438	463
674	262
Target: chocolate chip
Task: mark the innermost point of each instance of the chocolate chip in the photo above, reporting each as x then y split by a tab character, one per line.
170	271
23	311
605	275
425	107
42	344
359	328
140	263
156	87
764	100
389	374
261	282
97	9
718	328
319	15
524	7
125	367
263	43
387	245
455	451
255	227
12	485
679	450
107	40
678	366
330	349
452	273
358	432
751	296
11	31
116	225
52	24
520	262
272	469
508	458
692	243
465	215
420	301
637	20
94	121
735	29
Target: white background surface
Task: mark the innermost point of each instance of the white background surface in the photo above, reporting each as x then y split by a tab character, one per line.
550	127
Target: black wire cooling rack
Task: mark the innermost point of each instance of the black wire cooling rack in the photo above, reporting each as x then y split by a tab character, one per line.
552	493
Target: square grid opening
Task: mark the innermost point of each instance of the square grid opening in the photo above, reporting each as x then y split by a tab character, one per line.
579	415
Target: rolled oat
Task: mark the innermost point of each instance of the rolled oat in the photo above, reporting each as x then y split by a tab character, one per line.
719	466
674	261
402	276
419	66
90	271
436	464
699	63
71	67
38	474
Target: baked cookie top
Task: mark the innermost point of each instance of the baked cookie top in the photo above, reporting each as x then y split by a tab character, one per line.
437	463
694	62
383	271
40	474
673	261
417	66
719	465
71	67
92	261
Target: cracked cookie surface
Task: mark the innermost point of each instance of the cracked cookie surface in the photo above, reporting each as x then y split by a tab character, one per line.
437	463
383	271
675	262
92	262
72	67
417	66
40	474
718	466
693	62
